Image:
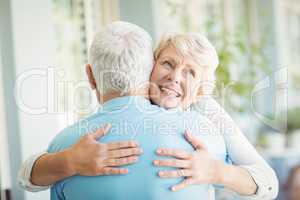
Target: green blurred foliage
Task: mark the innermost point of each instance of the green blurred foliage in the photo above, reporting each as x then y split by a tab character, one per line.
238	55
293	119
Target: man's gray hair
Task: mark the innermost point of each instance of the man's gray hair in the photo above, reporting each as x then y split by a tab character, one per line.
121	56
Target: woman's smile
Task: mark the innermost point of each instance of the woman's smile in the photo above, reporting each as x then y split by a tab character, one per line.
173	78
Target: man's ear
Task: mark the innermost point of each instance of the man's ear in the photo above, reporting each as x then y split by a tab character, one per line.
89	73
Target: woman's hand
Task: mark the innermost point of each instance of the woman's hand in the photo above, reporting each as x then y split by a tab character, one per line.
198	167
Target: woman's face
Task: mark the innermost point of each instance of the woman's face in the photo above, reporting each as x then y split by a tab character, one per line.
175	80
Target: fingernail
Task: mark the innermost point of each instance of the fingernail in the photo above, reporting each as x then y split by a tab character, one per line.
106	126
133	144
173	189
160	173
155	162
188	134
158	150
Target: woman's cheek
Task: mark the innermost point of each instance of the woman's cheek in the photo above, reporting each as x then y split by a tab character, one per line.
162	72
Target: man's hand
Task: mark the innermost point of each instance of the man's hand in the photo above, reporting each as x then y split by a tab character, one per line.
197	167
88	157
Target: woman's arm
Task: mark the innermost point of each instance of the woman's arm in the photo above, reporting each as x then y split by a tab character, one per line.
245	156
235	178
241	151
200	167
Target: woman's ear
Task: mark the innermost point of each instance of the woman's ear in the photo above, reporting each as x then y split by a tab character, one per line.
89	73
199	93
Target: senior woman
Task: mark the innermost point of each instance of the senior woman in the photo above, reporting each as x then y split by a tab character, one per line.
188	57
180	60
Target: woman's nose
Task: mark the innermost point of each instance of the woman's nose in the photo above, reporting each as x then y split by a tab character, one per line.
175	76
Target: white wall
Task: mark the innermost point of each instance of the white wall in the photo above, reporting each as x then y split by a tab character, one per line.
4	161
34	47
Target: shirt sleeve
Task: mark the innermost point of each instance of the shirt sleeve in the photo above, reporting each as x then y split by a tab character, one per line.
262	174
56	192
266	181
24	174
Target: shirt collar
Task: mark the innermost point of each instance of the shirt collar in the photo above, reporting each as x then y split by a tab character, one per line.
123	103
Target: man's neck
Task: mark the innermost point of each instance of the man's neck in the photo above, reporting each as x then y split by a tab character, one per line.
109	96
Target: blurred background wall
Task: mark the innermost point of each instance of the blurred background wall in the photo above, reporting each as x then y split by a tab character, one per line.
44	46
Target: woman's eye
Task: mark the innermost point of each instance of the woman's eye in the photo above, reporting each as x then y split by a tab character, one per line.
192	72
167	64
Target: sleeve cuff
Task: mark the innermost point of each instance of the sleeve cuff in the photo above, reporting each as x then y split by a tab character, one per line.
266	181
24	174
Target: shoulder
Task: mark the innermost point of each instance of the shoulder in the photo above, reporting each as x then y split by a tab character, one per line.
195	121
65	138
195	116
208	106
71	134
211	109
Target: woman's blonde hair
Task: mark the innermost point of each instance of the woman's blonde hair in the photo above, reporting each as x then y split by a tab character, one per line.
197	47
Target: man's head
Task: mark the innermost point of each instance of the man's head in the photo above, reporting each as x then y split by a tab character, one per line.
121	59
184	70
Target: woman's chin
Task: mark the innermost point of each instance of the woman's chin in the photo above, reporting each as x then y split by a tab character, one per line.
169	103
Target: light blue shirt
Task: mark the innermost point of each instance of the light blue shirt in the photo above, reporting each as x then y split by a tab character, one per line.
135	118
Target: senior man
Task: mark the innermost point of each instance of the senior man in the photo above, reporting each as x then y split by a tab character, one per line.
121	58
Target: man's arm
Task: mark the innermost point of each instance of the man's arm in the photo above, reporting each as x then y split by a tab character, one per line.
24	174
50	168
41	170
88	157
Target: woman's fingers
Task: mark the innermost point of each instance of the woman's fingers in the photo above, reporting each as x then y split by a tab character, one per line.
124	152
178	153
121	145
113	171
114	162
183	184
175	173
172	163
197	144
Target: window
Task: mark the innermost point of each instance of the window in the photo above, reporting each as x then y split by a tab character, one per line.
76	22
293	28
290	46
